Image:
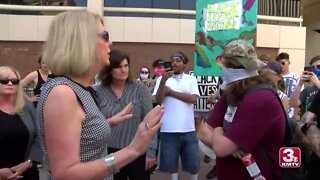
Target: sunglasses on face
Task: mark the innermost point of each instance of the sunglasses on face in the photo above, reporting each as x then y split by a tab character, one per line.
104	35
316	67
144	72
6	81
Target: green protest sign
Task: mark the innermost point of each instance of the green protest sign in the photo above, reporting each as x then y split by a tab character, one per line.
217	23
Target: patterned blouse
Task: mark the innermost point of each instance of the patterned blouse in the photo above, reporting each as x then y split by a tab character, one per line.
94	130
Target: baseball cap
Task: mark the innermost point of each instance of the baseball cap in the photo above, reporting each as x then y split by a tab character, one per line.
158	62
275	66
244	53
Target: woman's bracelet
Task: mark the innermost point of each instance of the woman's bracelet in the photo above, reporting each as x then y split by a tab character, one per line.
111	163
30	162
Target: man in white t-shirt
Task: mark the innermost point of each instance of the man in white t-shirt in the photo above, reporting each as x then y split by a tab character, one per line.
291	79
178	92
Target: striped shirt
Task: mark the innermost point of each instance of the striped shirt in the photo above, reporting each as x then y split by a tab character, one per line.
123	133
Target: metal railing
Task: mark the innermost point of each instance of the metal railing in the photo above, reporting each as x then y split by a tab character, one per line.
136	10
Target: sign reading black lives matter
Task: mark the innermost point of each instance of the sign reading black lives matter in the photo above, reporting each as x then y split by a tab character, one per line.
207	86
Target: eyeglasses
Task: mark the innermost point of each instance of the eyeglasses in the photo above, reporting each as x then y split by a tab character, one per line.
144	72
13	81
104	35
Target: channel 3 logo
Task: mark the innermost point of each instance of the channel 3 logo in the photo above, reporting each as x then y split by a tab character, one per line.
289	157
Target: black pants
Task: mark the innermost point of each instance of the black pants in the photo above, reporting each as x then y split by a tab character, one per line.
132	171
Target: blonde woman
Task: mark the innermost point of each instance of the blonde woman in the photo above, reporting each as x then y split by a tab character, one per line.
18	137
72	129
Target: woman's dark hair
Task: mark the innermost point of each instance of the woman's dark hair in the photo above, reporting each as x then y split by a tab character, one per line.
145	68
116	58
40	59
314	59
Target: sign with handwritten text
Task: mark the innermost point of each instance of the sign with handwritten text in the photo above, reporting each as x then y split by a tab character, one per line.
226	15
217	23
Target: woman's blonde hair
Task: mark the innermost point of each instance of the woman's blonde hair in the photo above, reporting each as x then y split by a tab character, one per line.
70	48
18	100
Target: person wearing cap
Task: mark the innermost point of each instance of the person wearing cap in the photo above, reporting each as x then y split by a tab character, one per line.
158	68
244	121
291	79
178	92
273	70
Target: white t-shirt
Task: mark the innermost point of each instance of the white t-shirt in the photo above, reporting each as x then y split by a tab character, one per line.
291	82
178	115
281	94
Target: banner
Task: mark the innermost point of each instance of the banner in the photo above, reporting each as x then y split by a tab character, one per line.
217	23
207	86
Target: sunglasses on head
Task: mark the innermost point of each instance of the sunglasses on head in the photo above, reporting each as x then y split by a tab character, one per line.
144	72
6	81
104	35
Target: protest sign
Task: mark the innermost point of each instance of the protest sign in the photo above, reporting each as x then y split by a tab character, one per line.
217	23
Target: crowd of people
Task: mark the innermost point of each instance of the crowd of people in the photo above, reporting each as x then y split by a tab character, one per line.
114	126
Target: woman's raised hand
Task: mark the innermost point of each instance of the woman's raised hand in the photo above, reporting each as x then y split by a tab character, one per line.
147	130
121	116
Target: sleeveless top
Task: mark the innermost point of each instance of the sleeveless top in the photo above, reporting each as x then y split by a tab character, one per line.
37	89
95	130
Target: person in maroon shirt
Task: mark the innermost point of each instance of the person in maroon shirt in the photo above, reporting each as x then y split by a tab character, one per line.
246	122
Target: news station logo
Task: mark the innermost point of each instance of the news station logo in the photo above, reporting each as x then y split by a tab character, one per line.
289	157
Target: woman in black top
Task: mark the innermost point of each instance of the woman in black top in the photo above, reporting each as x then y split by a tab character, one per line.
18	136
36	79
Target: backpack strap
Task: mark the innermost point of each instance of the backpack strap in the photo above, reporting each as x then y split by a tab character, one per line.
289	131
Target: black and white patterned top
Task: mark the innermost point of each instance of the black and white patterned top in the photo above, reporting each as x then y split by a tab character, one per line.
95	130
